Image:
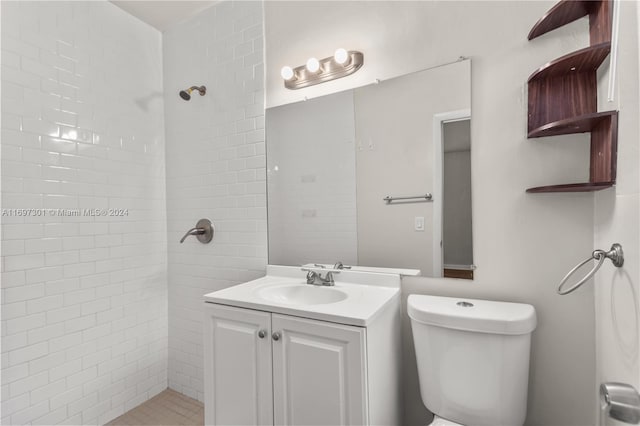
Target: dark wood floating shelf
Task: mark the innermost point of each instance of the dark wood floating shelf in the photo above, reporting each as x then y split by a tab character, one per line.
567	11
580	124
580	61
563	94
572	187
561	14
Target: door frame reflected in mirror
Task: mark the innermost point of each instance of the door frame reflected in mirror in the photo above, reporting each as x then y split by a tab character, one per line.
439	120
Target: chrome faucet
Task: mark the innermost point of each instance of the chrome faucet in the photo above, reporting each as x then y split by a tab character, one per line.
315	278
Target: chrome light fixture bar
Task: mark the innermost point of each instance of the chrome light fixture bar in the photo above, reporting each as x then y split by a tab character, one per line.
341	64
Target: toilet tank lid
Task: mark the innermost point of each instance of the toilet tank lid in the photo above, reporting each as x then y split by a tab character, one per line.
482	316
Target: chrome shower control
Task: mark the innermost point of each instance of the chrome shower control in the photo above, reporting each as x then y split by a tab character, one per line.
203	231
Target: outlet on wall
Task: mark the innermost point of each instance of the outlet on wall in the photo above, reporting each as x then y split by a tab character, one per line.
418	223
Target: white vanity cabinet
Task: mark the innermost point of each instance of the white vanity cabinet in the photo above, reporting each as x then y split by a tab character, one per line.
265	368
237	366
319	372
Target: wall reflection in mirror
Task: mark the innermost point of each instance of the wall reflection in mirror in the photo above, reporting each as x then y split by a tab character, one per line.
332	160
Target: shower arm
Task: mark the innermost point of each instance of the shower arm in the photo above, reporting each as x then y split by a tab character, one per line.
201	89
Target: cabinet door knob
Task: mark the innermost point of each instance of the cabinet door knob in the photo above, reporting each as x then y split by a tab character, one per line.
276	336
262	334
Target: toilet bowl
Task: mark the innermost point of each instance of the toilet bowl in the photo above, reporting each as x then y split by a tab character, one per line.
473	358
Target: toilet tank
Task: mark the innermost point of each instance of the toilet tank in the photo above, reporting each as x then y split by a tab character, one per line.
473	358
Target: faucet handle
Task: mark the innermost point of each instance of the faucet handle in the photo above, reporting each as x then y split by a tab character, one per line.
340	265
311	276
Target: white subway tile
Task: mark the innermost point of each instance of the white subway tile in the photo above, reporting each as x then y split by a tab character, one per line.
78	297
28	384
11	60
11	122
44	363
79	269
62	371
79	324
76	243
48	391
18	138
23	292
61	229
57	61
12	279
29	414
42	245
95	306
13	310
18	77
96	332
25	323
65	342
63	314
11	374
62	286
13	341
52	418
37	68
59	145
64	398
44	274
17	403
80	378
44	304
45	333
99	409
41	127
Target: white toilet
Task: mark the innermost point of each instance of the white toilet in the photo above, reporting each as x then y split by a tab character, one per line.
473	359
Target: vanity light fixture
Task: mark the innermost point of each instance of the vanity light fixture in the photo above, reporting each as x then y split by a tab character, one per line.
341	64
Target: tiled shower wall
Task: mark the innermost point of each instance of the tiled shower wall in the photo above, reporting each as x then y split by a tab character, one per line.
84	297
215	169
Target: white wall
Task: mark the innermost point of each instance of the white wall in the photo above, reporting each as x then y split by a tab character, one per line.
523	244
617	213
84	299
215	169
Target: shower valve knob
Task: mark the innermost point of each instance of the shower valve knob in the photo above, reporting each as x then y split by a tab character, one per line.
203	231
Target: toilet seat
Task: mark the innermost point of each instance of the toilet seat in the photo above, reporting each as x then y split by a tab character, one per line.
439	421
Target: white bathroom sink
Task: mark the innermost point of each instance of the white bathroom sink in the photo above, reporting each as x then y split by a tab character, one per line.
302	294
355	299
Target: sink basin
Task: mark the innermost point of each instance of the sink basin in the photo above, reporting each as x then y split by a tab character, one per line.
302	294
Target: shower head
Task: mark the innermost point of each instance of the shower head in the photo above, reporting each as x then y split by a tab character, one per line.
186	94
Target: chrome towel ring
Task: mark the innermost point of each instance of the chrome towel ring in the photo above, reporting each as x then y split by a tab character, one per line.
615	254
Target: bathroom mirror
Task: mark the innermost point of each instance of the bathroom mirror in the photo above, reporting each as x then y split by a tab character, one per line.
332	161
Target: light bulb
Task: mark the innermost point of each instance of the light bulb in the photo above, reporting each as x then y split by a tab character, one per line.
313	65
286	72
341	56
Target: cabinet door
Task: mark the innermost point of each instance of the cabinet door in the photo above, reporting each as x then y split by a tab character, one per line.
237	365
319	373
